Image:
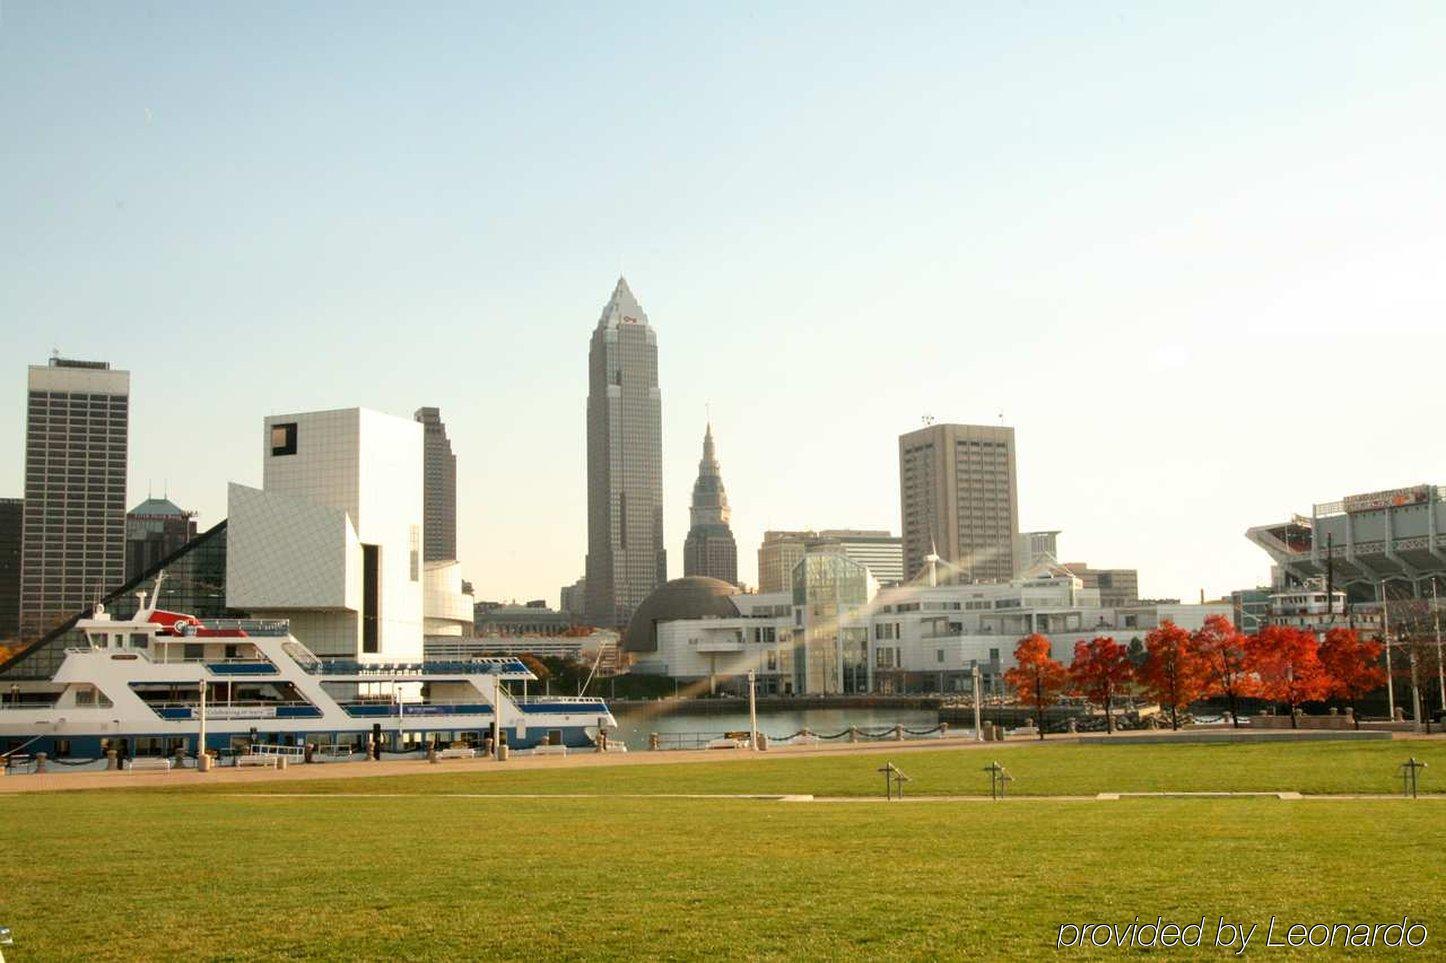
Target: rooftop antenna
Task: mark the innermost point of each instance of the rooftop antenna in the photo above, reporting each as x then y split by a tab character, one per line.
1001	417
927	419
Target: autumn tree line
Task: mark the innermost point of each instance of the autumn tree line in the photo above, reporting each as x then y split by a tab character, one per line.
1280	664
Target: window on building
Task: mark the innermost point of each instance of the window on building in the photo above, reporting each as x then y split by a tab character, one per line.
938	655
283	438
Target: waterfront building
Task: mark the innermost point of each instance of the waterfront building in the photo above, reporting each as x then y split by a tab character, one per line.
12	519
1250	608
333	539
534	618
959	500
155	528
1117	586
73	537
572	599
709	549
439	488
780	551
1032	548
582	647
447	603
625	555
836	631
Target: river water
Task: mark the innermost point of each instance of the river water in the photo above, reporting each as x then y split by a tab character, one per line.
678	727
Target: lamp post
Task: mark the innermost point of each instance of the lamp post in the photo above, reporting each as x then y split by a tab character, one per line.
752	712
1386	638
978	697
1440	661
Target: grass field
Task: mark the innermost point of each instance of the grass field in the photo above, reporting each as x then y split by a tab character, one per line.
199	874
1049	769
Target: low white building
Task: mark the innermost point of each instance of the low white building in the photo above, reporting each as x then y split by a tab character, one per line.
838	633
332	541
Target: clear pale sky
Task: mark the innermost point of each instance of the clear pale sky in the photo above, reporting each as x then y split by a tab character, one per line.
1192	252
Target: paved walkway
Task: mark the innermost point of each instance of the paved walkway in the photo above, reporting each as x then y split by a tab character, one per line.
53	781
59	781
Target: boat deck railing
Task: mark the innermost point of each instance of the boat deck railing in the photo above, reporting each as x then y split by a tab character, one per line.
481	666
237	710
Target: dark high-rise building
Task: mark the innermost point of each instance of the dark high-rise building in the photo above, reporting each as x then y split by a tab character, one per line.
709	549
76	433
439	489
625	555
11	523
155	529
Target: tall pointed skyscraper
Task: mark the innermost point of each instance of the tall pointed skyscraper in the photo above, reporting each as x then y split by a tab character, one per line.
709	549
625	555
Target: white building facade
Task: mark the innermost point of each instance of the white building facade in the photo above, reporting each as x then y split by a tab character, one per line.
333	539
823	638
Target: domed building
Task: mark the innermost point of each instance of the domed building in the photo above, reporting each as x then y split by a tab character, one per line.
690	597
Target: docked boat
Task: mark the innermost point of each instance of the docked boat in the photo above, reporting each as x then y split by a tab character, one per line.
161	682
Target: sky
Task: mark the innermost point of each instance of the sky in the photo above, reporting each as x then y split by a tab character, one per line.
1191	252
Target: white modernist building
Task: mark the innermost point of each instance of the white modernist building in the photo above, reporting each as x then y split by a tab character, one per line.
837	632
332	541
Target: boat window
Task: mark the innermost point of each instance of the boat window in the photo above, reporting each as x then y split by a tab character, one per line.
139	640
85	696
194	650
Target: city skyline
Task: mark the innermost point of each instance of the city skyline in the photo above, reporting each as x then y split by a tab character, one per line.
1122	269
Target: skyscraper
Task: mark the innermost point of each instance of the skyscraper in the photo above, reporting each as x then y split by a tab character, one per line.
12	514
439	489
957	493
73	542
709	548
155	529
625	555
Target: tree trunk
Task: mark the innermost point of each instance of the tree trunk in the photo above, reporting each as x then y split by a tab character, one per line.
1109	719
1039	705
1174	717
1234	715
1292	715
1355	715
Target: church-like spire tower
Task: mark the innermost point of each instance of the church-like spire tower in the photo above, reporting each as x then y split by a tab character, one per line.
709	549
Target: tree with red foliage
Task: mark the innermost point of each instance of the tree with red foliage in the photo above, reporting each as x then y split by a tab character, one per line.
1037	679
1352	665
1173	673
1287	668
1100	668
1221	650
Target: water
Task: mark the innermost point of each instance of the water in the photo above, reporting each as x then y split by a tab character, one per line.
637	721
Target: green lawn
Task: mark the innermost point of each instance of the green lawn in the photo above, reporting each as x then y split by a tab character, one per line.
1050	769
197	874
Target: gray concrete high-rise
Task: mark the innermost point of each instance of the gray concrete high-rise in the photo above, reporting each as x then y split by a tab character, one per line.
709	548
625	555
76	437
439	489
957	493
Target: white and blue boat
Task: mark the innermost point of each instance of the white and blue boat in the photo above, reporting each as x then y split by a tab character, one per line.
153	684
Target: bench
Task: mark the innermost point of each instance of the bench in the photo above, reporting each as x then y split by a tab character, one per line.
457	752
549	750
149	764
257	760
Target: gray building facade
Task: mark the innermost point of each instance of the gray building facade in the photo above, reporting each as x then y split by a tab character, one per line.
76	440
625	555
12	517
958	494
709	549
439	489
155	529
